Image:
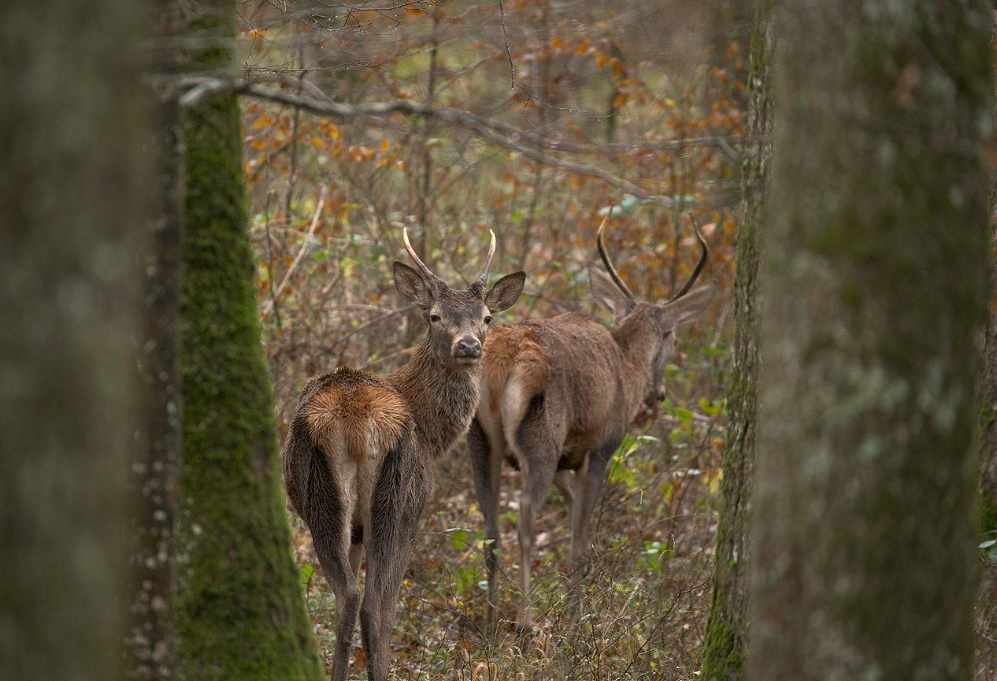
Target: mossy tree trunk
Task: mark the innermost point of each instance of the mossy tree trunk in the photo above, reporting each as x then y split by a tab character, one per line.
72	186
240	613
726	625
874	279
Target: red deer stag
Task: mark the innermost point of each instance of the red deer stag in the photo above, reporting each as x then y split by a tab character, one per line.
358	461
558	396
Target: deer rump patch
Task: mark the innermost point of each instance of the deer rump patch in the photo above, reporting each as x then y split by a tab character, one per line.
519	347
356	413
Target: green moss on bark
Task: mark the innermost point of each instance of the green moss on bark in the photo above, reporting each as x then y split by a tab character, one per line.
988	514
724	648
726	625
240	613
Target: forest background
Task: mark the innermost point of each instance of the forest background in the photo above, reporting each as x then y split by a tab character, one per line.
290	145
651	98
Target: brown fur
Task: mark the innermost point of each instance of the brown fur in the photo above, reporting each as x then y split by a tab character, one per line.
514	345
560	395
358	459
368	416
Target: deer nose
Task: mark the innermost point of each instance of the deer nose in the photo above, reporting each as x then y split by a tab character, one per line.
467	347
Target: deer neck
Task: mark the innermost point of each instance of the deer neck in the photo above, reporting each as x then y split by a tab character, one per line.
636	338
441	396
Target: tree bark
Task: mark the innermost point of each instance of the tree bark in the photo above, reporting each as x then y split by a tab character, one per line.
72	183
240	612
727	623
987	390
874	276
987	397
155	469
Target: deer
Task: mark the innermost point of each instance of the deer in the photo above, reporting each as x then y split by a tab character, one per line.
559	396
358	458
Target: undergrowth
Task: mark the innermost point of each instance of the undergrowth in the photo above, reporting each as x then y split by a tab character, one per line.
645	585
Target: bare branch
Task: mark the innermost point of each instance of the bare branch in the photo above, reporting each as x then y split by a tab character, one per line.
491	130
201	89
268	308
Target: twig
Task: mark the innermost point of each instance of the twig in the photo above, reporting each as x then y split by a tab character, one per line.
300	255
508	52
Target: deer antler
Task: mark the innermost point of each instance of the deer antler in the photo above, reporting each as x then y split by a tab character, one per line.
609	263
428	273
488	261
699	266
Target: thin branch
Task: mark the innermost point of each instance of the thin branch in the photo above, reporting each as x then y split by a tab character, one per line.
301	253
508	52
487	129
200	89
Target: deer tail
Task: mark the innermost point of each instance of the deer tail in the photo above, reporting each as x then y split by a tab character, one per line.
298	457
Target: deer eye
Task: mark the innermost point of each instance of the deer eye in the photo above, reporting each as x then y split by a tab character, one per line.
488	319
434	318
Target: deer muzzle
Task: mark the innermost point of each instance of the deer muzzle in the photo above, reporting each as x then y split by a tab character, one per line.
467	348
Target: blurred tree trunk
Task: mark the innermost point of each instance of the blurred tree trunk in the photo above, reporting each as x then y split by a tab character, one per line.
155	470
72	183
986	395
988	420
874	276
987	392
240	613
726	626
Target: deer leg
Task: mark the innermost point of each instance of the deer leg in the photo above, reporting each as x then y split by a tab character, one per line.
565	481
419	490
537	478
589	480
399	496
378	617
331	536
486	467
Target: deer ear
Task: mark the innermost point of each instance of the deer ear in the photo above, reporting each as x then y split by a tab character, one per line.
410	285
505	292
689	306
608	294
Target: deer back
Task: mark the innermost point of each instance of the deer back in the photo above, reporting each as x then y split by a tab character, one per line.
570	363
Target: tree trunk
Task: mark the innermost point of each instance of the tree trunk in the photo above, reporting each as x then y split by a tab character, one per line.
987	391
240	613
726	626
72	183
987	398
874	276
155	469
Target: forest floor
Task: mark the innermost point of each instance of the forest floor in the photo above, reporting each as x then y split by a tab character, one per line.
646	584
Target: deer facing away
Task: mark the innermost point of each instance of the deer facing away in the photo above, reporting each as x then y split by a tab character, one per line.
357	461
558	396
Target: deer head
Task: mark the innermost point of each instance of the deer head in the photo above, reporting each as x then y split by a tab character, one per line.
458	319
650	326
